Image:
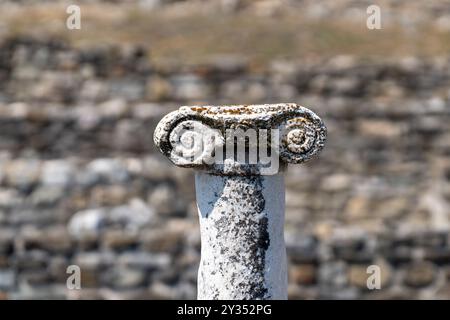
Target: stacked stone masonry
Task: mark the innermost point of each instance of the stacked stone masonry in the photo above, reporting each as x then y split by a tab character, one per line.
81	182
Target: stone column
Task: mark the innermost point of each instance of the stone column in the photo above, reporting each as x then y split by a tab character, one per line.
240	154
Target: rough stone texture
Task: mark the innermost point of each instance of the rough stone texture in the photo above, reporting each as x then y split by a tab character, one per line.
380	189
241	213
201	129
243	255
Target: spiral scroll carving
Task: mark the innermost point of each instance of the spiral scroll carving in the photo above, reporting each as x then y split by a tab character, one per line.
193	136
302	138
193	143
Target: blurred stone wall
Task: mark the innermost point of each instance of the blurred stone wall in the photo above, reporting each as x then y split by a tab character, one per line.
81	183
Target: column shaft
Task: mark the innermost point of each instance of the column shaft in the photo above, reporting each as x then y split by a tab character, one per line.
243	255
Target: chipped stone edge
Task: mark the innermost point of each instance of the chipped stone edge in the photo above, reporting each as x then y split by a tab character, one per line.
285	116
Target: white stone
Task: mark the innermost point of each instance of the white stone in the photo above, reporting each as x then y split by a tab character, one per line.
240	203
243	254
86	222
56	173
134	215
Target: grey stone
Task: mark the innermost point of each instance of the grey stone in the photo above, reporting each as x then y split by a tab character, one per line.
124	278
132	216
165	200
333	275
57	173
9	198
145	260
189	87
109	169
155	168
162	240
31	260
94	260
7	279
6	240
115	108
119	240
54	239
46	196
86	222
420	274
22	173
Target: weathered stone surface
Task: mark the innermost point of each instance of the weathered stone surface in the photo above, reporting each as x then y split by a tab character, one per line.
420	274
333	276
119	240
57	173
146	261
6	241
87	222
303	274
46	196
53	240
22	174
125	278
134	215
162	240
7	279
243	253
240	200
301	135
165	201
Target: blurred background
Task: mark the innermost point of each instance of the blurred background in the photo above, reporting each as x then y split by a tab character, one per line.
81	182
